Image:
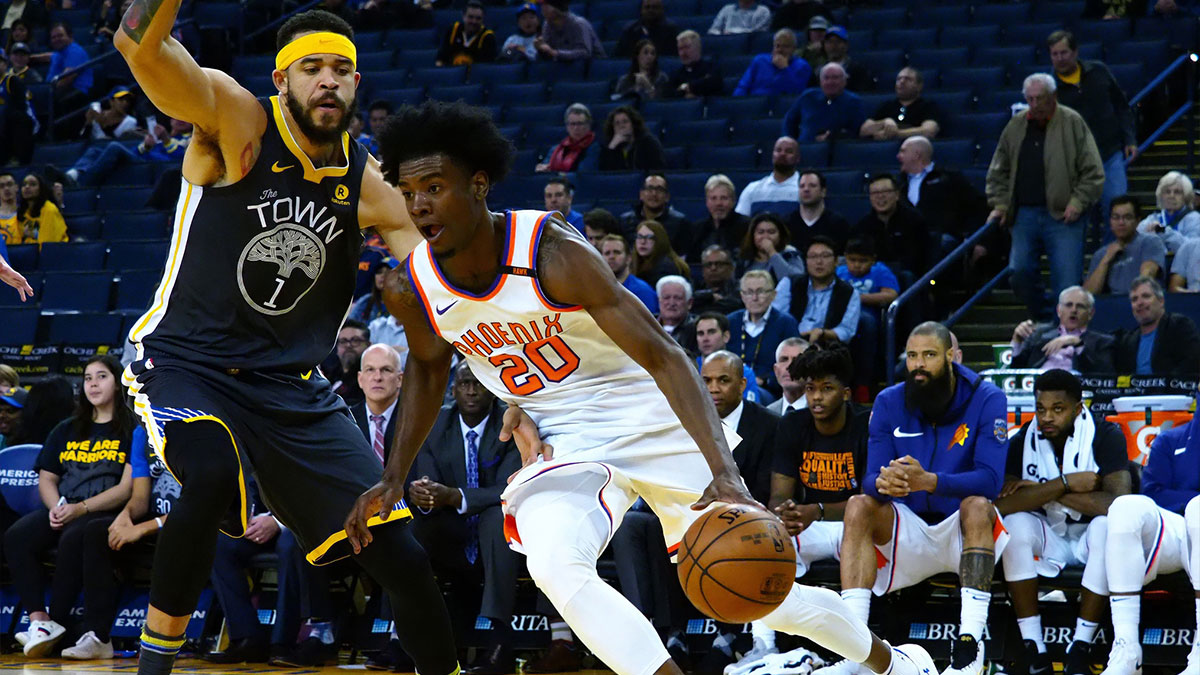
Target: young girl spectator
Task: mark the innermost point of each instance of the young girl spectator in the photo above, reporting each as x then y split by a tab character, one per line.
38	216
1176	220
653	257
83	476
644	80
628	145
764	248
370	306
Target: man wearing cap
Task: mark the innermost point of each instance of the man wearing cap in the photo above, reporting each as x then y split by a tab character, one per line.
18	64
696	76
837	50
16	125
520	45
110	119
12	402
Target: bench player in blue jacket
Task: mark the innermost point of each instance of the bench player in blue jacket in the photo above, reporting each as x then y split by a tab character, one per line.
935	462
1161	523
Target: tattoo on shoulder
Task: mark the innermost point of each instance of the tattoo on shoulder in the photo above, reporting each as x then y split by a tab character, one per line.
138	17
398	292
548	247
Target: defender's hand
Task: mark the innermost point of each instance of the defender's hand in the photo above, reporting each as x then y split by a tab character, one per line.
378	500
728	488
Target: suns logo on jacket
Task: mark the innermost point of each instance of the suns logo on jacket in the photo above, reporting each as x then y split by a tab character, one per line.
960	436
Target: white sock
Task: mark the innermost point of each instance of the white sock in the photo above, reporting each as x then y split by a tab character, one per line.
972	616
560	631
1031	629
322	630
724	642
1126	615
859	601
1085	631
760	632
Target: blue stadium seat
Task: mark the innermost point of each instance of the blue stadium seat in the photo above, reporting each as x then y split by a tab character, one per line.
23	257
136	225
9	298
603	11
880	18
764	42
1108	33
72	257
399	97
253	63
852	206
814	155
675	157
1091	51
952	102
678	110
138	255
861	38
443	19
131	174
687	185
524	190
369	41
734	66
600	111
908	39
135	288
40	94
544	136
762	132
864	155
1131	76
720	45
513	132
471	94
392	78
62	155
416	57
699	23
969	36
523	163
259	84
76	291
413	39
227	15
432	76
978	79
692	209
517	94
1154	55
86	328
847	181
682	132
1001	100
950	15
122	198
955	152
738	108
721	157
613	185
84	227
607	70
1020	56
711	7
980	125
82	200
530	115
882	63
1034	34
1063	12
871	101
19	489
1010	14
548	71
583	92
493	74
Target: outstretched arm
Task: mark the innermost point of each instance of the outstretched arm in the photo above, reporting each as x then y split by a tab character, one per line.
571	272
383	207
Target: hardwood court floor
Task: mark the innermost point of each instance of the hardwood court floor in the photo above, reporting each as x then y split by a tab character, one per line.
17	663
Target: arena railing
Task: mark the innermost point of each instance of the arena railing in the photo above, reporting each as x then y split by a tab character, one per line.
1187	60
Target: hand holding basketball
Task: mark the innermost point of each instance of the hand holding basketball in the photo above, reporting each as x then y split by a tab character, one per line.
728	488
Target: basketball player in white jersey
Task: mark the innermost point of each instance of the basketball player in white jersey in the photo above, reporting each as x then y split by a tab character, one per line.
544	324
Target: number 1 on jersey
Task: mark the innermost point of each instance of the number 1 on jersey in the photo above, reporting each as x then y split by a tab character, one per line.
515	372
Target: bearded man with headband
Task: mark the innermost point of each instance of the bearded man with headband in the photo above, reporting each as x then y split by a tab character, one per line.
259	277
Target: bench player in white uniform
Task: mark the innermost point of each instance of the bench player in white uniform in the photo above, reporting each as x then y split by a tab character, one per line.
544	324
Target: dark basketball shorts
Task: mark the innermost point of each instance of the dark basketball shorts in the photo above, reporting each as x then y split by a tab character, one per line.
308	457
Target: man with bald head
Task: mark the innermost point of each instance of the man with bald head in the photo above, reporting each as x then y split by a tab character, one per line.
777	191
905	116
827	111
380	372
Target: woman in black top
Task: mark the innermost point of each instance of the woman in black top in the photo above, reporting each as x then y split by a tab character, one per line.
628	145
644	80
83	476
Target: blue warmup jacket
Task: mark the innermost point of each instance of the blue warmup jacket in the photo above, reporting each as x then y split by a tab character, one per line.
1172	474
967	448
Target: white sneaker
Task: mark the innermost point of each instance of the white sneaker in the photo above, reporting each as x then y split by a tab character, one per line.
22	637
966	656
1193	661
1124	659
89	647
759	651
799	661
43	635
844	667
922	663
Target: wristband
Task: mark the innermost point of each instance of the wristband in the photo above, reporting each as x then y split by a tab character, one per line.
1066	485
86	510
158	519
821	507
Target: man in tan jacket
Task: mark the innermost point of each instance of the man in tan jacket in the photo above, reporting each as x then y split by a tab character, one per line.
1045	174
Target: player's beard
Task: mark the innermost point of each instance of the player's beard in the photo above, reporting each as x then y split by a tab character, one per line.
316	134
931	398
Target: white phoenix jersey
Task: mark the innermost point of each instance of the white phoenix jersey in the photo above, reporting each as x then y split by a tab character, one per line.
552	360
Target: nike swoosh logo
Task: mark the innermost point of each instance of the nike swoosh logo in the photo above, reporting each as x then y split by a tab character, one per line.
1179	451
903	434
280	169
443	310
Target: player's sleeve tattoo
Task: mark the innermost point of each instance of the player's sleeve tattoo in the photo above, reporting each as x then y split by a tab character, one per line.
138	17
398	292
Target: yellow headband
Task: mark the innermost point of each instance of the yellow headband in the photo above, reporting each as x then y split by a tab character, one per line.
315	43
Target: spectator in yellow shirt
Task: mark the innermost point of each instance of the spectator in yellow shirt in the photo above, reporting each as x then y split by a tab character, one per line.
10	232
40	218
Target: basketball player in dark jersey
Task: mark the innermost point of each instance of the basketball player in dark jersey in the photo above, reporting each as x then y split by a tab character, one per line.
259	278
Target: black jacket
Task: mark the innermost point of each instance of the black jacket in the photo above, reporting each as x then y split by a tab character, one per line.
662	34
728	233
703	76
753	455
1103	105
903	242
641	154
831	224
673	221
948	201
1097	356
481	49
443	457
1176	348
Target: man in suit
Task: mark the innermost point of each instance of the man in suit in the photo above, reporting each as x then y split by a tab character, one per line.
1069	345
464	467
379	377
1162	344
793	389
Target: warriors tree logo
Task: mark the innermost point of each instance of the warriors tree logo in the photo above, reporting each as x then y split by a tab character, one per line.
280	266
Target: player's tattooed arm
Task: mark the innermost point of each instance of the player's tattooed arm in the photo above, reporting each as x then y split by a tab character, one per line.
140	15
398	294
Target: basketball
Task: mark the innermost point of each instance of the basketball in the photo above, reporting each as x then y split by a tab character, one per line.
736	563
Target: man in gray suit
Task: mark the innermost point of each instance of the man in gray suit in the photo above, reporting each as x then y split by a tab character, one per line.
1068	345
464	467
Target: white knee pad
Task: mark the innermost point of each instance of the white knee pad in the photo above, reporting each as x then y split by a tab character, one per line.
1024	544
1131	513
1095	576
1132	519
1191	514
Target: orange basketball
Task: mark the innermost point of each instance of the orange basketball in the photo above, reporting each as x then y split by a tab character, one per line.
736	563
